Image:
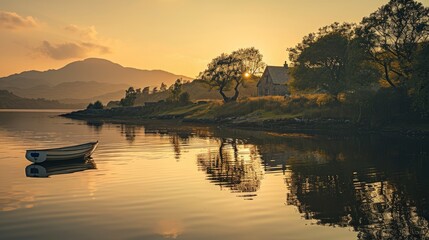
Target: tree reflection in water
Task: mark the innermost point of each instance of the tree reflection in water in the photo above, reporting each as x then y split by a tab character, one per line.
130	131
377	185
178	139
96	125
234	165
383	200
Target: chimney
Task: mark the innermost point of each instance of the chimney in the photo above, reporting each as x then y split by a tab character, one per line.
285	65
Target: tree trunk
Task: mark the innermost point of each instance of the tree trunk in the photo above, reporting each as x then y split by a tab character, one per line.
236	92
225	98
386	74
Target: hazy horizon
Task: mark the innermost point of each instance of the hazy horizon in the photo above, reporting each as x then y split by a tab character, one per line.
179	36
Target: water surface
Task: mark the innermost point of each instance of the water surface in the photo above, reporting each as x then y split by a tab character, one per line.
160	180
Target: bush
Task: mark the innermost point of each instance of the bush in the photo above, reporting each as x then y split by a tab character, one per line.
95	105
98	105
90	106
113	104
184	98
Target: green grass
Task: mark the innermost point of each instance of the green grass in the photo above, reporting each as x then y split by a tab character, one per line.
182	110
257	109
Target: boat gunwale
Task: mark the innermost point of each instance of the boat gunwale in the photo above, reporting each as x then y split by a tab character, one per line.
67	148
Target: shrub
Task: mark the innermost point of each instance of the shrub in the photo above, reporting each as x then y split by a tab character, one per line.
184	98
96	105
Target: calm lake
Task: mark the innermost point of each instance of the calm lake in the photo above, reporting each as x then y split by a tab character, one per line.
162	180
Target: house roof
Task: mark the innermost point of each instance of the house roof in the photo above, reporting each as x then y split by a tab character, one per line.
279	75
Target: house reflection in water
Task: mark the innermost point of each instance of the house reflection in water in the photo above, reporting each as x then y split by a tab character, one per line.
130	132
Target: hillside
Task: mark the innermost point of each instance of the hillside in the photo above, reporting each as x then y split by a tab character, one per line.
84	80
104	98
8	101
68	90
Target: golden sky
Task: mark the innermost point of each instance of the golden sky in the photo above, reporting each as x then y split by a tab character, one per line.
180	36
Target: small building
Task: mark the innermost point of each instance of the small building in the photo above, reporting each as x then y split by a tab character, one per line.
273	81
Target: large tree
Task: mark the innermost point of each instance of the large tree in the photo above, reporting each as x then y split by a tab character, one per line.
392	34
228	71
331	60
420	92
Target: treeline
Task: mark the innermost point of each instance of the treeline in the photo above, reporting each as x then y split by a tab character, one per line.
175	94
381	62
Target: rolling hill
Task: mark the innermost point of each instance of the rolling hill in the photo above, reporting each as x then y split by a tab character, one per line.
8	101
83	80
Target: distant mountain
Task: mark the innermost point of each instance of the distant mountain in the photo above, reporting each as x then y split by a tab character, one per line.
75	90
83	80
9	100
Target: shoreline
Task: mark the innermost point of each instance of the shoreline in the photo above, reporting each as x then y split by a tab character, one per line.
307	126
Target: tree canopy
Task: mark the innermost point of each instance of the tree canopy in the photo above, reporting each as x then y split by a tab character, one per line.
130	97
229	71
331	60
392	34
175	91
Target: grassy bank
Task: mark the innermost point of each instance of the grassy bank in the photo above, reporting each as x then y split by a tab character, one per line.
297	113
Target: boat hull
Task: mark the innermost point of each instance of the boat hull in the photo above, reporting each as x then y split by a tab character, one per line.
81	151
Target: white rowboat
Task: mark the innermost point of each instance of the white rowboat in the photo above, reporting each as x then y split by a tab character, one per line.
81	151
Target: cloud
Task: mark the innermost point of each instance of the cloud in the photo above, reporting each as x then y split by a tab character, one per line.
88	33
83	42
12	21
72	50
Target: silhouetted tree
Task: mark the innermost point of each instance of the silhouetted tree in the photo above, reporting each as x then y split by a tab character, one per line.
163	87
331	60
392	34
154	90
228	71
96	105
130	97
145	91
175	91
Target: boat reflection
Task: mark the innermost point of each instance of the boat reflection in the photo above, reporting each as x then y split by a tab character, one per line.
47	169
